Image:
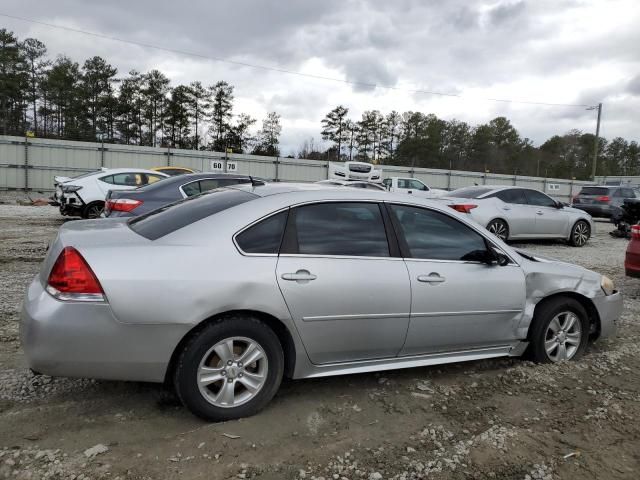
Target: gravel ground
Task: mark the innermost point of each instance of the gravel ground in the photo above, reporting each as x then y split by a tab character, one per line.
496	419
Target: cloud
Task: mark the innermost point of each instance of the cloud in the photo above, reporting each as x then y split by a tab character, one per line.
558	51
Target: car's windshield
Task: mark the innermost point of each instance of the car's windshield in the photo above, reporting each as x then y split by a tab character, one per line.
470	192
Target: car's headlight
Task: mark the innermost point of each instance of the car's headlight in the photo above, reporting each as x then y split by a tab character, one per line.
607	285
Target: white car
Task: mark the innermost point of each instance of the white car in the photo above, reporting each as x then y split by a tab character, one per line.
412	186
355	171
522	213
83	196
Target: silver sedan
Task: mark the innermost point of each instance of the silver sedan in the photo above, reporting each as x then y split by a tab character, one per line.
516	213
225	293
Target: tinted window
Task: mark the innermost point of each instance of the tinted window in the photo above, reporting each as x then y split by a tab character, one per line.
174	216
512	195
628	193
191	189
434	235
539	199
470	192
354	229
132	179
264	236
594	191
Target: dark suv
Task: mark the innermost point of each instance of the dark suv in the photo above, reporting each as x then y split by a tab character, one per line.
602	201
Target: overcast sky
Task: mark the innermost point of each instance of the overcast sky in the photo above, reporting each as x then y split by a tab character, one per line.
556	51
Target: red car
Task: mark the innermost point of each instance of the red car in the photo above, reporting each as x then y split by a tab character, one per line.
632	258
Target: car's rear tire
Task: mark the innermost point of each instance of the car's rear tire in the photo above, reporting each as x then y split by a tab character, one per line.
93	210
559	330
212	376
580	233
499	228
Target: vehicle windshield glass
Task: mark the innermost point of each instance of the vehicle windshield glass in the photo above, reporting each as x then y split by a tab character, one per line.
594	191
177	215
470	192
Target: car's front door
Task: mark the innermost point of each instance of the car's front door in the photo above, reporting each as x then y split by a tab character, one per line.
348	296
457	303
551	221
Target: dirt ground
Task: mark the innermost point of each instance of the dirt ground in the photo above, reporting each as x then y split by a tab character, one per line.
499	419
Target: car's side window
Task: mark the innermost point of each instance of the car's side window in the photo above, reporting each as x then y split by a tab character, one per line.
107	179
265	236
387	182
435	236
191	189
154	178
539	199
628	193
417	185
512	195
349	229
128	179
209	184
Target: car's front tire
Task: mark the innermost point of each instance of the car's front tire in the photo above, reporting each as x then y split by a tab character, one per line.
580	233
229	369
559	330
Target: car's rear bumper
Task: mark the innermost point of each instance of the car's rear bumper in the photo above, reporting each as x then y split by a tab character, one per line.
632	259
609	310
84	339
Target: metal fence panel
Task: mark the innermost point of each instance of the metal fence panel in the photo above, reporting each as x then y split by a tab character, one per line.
47	158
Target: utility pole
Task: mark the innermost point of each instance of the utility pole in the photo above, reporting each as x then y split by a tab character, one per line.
596	142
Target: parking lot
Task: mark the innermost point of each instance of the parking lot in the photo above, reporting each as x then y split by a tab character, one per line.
504	418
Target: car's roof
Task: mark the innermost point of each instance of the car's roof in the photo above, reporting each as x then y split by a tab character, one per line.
172	168
319	191
111	171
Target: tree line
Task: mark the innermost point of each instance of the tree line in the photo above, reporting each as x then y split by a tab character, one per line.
424	140
63	99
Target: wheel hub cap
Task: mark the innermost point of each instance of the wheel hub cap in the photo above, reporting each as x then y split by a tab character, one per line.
563	336
232	372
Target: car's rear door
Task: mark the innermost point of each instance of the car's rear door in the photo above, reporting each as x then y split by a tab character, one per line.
517	213
347	293
456	303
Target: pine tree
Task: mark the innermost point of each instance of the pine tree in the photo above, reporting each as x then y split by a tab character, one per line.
334	128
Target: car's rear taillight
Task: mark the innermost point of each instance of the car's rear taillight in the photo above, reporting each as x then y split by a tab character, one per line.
603	198
122	204
71	278
635	232
463	207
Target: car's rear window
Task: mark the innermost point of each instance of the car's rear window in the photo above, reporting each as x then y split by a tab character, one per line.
594	191
469	192
168	219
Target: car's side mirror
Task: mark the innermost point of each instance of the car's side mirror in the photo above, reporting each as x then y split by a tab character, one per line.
559	204
488	256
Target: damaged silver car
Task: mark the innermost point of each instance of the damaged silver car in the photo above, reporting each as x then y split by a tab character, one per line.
223	294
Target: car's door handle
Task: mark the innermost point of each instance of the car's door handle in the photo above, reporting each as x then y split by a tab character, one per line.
299	276
433	277
409	191
539	212
506	208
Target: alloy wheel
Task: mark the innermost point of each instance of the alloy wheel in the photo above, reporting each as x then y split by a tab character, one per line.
563	336
94	212
232	372
499	229
580	234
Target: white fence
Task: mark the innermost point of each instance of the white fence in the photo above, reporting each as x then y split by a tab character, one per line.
29	164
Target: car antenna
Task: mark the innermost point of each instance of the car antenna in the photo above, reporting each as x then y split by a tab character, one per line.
254	183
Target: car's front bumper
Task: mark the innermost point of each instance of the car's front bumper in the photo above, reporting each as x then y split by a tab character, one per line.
609	310
84	339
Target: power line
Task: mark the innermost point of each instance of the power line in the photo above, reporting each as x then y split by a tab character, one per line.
277	69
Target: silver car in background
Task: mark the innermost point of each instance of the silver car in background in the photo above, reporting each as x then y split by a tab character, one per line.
261	282
517	213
